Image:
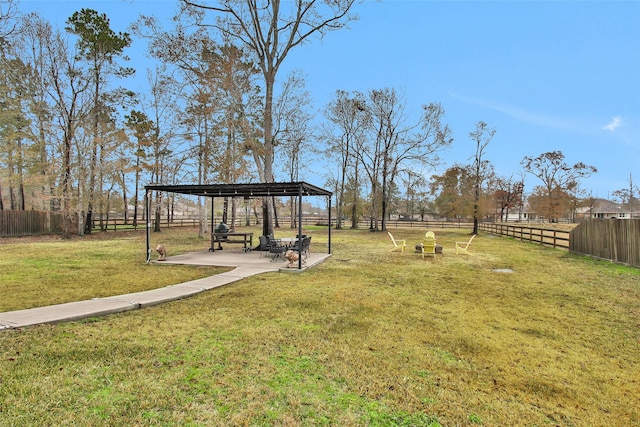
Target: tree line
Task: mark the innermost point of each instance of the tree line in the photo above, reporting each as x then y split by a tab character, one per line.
76	138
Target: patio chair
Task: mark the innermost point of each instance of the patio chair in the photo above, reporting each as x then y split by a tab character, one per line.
397	244
306	245
276	249
428	246
464	246
304	249
263	247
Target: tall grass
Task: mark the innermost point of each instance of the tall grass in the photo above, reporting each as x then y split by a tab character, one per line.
369	338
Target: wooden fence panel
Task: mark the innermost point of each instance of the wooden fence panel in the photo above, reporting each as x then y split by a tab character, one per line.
23	223
30	223
612	239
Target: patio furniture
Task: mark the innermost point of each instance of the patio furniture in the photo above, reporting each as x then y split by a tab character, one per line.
231	237
397	244
464	246
276	249
303	245
428	246
263	247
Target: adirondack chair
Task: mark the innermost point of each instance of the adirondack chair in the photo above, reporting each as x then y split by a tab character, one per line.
464	246
397	244
428	246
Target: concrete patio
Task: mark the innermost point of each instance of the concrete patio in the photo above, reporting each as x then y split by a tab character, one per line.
232	256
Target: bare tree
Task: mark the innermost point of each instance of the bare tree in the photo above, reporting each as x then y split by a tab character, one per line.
627	196
15	92
8	13
31	42
350	120
558	178
396	141
271	29
221	96
293	131
68	85
414	184
481	136
162	110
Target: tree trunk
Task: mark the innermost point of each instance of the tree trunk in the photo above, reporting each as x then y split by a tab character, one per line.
92	183
156	227
269	76
66	184
124	200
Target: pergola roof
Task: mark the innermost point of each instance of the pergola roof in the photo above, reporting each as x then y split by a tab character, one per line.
291	189
244	190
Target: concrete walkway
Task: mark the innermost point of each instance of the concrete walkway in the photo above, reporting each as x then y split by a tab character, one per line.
246	264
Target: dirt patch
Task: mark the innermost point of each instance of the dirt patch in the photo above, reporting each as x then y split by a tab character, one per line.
502	270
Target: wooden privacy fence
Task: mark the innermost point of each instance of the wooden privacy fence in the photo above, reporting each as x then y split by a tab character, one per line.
612	239
25	223
548	237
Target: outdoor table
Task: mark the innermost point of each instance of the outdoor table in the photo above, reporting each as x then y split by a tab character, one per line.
290	242
228	237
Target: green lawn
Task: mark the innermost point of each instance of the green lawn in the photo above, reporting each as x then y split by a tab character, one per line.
43	271
369	338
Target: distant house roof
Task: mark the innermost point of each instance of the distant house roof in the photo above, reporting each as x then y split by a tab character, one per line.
602	206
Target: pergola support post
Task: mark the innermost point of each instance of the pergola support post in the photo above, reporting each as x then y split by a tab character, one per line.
147	208
329	231
300	227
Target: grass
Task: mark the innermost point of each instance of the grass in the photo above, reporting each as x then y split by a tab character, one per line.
368	338
43	271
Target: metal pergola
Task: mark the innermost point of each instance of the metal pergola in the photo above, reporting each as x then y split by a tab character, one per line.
288	189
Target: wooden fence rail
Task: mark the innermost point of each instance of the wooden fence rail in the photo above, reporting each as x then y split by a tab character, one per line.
116	224
548	237
364	224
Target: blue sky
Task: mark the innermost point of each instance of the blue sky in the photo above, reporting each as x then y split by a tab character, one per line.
546	75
